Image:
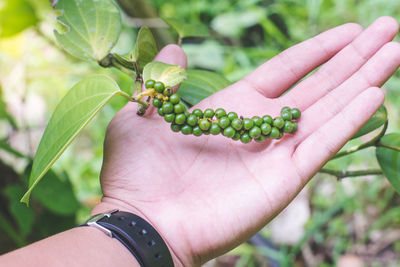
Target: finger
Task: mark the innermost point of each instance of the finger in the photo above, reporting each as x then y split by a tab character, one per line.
276	75
325	142
343	65
374	73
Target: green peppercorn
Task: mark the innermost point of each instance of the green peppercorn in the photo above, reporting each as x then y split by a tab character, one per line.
274	134
294	129
186	129
198	113
159	87
206	132
232	116
280	135
248	123
179	108
220	112
296	113
174	99
265	128
160	112
192	120
167	107
288	127
197	131
257	121
236	136
229	132
261	138
208	113
215	129
245	138
168	91
267	119
175	127
278	122
180	119
150	84
157	102
286	115
237	124
255	132
285	109
204	124
169	117
224	122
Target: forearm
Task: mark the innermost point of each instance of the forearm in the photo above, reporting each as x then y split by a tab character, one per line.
82	246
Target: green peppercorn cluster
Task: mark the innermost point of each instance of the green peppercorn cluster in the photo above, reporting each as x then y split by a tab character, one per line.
219	121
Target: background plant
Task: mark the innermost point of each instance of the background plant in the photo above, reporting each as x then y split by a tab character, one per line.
243	35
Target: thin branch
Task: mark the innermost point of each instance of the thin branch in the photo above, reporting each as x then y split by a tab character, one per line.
380	144
373	142
340	174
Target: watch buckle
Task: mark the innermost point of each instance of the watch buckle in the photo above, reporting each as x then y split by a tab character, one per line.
93	221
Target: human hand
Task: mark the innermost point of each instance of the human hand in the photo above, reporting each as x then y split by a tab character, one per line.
206	195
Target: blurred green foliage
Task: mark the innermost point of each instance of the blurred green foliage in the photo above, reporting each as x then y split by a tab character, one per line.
351	217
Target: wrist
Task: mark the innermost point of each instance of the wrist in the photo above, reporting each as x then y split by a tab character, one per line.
110	204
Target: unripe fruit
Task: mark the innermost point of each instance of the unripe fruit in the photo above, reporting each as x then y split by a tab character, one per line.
245	138
286	115
208	113
192	120
294	129
296	113
157	102
219	113
174	99
224	122
180	119
179	108
197	131
186	129
257	121
274	133
160	112
229	132
167	108
236	136
175	127
288	127
267	119
149	84
278	122
198	113
248	124
255	132
237	124
265	128
215	129
232	116
168	91
261	138
159	87
205	124
285	109
169	117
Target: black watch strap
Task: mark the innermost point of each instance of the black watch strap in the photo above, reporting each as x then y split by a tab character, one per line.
135	234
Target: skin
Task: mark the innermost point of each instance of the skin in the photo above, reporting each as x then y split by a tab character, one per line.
205	195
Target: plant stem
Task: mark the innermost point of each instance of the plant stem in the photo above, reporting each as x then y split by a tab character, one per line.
340	174
373	142
380	144
134	99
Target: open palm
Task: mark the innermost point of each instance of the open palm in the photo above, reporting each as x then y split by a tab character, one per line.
207	194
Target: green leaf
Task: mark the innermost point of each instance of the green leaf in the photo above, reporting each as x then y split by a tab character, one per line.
376	121
21	213
73	113
56	194
187	29
170	75
389	159
201	84
16	16
6	147
92	27
145	49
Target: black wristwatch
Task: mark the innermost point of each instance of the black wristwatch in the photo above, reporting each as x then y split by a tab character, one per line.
137	235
